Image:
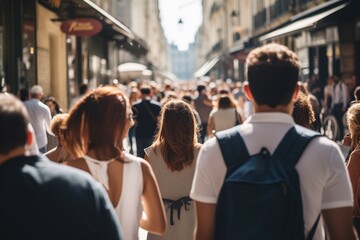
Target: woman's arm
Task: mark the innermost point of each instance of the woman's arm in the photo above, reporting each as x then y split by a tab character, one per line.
155	220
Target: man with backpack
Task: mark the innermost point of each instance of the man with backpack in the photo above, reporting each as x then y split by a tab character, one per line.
269	178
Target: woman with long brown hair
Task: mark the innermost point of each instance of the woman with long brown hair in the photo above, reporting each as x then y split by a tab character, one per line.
94	133
172	157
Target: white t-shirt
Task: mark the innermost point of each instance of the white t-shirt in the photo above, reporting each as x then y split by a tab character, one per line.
324	181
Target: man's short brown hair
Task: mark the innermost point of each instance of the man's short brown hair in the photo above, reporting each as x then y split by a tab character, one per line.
13	123
272	72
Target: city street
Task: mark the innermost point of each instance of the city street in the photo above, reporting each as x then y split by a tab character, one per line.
77	74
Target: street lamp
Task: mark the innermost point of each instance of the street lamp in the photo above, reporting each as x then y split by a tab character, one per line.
235	22
234	14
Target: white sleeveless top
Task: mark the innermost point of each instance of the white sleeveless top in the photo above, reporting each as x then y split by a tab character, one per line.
129	207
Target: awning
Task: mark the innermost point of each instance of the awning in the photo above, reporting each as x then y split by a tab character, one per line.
131	67
167	75
131	70
302	24
111	20
208	65
112	28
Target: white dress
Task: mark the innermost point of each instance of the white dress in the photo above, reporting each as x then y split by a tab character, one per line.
129	207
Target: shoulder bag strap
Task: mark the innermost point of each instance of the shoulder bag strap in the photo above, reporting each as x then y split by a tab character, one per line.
232	146
294	143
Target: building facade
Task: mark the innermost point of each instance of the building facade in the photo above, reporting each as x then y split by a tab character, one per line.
61	43
144	18
324	34
183	62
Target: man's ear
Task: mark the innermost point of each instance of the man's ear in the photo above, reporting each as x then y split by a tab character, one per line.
248	91
296	92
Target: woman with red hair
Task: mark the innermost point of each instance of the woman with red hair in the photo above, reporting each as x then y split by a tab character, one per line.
94	134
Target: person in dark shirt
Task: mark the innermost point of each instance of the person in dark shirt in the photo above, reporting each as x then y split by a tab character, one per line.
44	200
147	117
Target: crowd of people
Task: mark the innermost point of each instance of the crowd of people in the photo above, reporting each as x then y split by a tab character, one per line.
82	167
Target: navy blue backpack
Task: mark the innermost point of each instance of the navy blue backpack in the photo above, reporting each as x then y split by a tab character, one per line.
260	197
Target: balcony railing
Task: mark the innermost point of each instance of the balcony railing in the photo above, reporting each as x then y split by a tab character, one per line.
260	19
280	7
303	2
217	47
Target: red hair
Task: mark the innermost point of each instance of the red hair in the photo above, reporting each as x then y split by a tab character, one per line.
97	121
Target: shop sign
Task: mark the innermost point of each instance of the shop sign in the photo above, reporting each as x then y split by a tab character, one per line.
81	27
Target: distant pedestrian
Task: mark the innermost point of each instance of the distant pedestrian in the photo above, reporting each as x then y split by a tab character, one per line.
356	95
43	200
133	97
340	103
55	109
328	94
316	107
224	116
147	118
83	89
53	105
303	112
238	198
189	100
203	105
39	116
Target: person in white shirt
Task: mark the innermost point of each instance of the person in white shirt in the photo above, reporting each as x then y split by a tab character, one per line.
272	72
39	116
328	93
340	103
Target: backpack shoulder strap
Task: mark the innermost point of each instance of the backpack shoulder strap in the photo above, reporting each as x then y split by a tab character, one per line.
294	143
232	146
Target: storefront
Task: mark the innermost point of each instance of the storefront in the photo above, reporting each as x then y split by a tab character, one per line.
324	38
34	49
18	69
93	41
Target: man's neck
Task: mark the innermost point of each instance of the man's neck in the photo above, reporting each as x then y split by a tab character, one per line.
20	151
267	109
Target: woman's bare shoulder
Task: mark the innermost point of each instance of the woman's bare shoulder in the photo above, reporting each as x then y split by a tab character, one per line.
78	163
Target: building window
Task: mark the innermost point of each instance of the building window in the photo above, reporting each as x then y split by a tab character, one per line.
28	64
